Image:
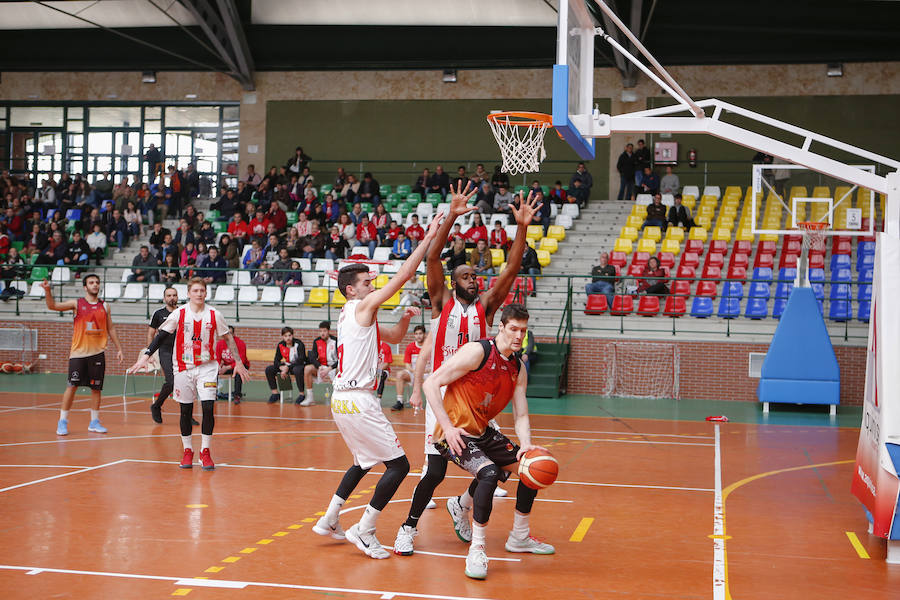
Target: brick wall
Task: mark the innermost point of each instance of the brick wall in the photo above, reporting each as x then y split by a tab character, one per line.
708	369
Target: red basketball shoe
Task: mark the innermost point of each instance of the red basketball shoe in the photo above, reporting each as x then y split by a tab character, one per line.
206	461
187	461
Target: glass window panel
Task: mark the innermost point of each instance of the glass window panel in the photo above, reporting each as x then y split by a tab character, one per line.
206	165
75	166
153	112
36	116
153	138
76	112
75	125
115	116
75	142
231	113
2	124
100	142
101	163
152	126
192	116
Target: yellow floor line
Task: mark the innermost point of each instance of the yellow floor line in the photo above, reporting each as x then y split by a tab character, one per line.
294	526
181	592
231	559
264	542
857	545
248	550
308	520
213	569
582	529
280	533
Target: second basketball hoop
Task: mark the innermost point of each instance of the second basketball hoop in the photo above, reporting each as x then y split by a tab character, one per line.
520	136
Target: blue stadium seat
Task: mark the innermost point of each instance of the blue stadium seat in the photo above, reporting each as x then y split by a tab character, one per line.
778	307
865	261
864	309
839	291
758	289
817	275
787	273
729	307
839	261
866	274
839	310
842	274
865	248
757	308
764	273
783	290
864	294
702	307
733	289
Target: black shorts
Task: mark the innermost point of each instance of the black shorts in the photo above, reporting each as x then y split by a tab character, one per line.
87	371
491	447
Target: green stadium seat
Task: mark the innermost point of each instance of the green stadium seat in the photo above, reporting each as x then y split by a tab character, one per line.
404	189
521	188
433	199
18	246
220	226
212	215
367	207
326	188
384	190
395	198
414	197
38	274
291	218
404	208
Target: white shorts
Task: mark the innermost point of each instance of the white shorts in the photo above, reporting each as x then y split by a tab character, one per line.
366	431
196	383
324	375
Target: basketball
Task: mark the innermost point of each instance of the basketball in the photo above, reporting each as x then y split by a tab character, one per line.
538	469
6	367
17	368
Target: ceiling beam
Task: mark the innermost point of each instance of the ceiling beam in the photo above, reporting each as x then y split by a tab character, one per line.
223	29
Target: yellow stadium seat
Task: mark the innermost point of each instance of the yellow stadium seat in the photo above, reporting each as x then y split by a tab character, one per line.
497	256
768	237
634	221
733	191
639	210
675	233
744	234
629	233
722	234
543	257
706	210
338	299
725	222
652	233
689	201
821	191
728	210
317	297
798	191
534	232
381	281
502	267
647	245
549	244
670	245
557	232
531	241
623	245
709	199
842	192
865	209
390	303
703	221
698	233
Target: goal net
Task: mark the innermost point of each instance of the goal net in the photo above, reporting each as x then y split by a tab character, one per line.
642	370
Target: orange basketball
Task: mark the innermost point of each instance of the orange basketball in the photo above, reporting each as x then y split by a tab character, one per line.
538	469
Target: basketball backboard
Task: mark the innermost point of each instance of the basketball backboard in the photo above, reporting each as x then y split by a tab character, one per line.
573	76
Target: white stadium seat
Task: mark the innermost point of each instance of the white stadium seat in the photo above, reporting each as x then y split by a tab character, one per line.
37	291
324	264
293	295
381	254
310	280
156	291
247	294
224	293
133	292
63	274
271	294
111	291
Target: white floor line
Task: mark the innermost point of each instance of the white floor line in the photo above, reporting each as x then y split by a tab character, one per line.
675	435
718	528
162	435
55	407
46	466
224	583
615	441
85	470
80	399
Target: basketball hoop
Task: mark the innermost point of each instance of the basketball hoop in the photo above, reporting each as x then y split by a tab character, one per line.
520	136
813	234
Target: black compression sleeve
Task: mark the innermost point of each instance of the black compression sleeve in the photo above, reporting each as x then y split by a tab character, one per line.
159	340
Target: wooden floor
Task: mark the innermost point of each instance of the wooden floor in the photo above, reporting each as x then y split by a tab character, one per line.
634	514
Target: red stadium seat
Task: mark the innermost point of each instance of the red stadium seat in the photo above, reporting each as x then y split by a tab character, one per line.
787	260
737	273
640	258
618	259
816	261
648	306
675	306
766	247
666	259
706	288
739	260
841	245
712	272
742	247
718	246
765	260
691	259
635	270
681	287
622	305
596	305
791	246
714	259
695	246
685	271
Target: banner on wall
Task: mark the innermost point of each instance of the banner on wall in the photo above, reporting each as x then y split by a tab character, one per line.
875	478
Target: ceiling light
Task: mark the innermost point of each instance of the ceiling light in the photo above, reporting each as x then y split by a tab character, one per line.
190	96
834	70
629	96
148	77
449	76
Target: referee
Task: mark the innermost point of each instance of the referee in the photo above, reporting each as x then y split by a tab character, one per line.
170	297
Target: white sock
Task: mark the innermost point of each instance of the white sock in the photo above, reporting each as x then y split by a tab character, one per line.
95	415
186	442
400	398
478	534
64	414
520	528
465	500
367	522
309	395
334	509
205	440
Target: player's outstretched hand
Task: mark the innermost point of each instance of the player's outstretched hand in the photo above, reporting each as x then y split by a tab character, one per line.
433	227
453	436
140	364
242	372
410	312
525	449
459	201
45	284
528	207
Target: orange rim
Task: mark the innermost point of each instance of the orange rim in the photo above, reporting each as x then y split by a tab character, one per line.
812	225
522	119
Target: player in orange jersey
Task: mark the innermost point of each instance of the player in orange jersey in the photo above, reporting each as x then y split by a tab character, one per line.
92	330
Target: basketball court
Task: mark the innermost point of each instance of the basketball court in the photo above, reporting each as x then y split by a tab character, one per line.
634	513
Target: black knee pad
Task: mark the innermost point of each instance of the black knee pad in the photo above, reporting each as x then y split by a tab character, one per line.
398	466
185	421
436	471
209	419
489	474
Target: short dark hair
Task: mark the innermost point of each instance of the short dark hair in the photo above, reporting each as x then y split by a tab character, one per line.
419	328
89	276
325	325
514	311
231	329
347	275
285	330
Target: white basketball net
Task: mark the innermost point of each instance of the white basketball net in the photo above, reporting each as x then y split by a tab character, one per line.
521	146
813	237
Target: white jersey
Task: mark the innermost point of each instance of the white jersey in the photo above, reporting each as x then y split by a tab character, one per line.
195	335
357	352
456	326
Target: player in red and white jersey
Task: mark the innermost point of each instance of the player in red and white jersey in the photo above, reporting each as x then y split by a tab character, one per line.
410	356
195	327
354	404
459	316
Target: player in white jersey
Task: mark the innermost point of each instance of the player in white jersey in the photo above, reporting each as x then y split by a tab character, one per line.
195	327
459	316
354	405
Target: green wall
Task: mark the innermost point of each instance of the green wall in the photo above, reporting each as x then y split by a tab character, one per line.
408	135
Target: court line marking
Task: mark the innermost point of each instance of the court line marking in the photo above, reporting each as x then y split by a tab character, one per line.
582	529
84	470
55	406
719	573
48	466
225	583
857	545
141	397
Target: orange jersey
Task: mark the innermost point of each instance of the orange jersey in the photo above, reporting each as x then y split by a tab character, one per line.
478	396
89	335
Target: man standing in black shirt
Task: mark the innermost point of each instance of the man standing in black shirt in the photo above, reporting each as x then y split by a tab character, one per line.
625	167
170	297
641	159
154	163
